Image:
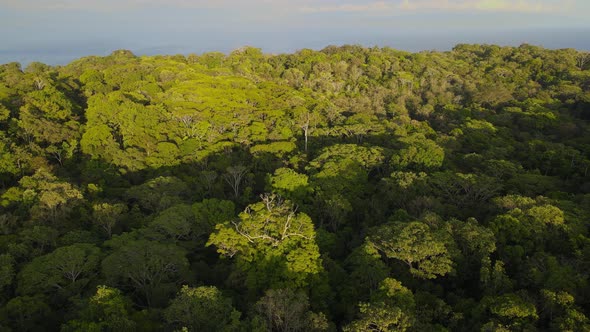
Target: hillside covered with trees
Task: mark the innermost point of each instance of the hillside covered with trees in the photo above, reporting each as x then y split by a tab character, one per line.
347	189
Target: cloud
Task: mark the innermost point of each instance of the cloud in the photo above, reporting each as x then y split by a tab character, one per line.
111	5
59	5
306	6
368	7
104	4
400	6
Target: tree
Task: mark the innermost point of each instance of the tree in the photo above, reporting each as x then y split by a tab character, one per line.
210	212
47	117
9	159
209	177
28	313
528	223
290	184
63	151
378	317
367	270
473	239
35	241
53	198
65	269
419	154
339	178
547	214
148	266
234	177
202	309
159	193
559	308
176	222
389	164
391	308
582	59
287	311
464	190
106	310
98	142
424	251
272	242
107	215
304	124
493	278
367	157
7	271
513	311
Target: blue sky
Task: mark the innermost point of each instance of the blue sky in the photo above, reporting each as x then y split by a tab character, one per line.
57	31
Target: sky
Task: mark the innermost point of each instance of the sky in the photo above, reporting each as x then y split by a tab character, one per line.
59	31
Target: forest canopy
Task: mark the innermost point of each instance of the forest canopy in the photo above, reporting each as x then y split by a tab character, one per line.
346	189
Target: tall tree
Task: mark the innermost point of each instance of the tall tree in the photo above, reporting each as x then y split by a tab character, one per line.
272	242
423	250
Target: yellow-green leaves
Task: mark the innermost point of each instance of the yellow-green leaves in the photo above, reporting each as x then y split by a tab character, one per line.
273	240
422	249
202	309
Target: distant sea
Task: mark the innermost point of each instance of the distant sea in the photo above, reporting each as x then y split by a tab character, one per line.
63	52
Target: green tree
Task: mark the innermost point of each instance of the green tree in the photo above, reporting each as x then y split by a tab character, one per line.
290	184
176	222
272	242
202	309
107	215
493	277
28	313
367	270
34	241
286	310
425	251
391	308
513	311
159	193
419	154
149	267
107	310
560	310
47	117
210	212
378	317
65	269
52	198
7	271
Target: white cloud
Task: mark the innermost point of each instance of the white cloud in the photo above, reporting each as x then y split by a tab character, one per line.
309	6
368	7
446	5
102	4
66	4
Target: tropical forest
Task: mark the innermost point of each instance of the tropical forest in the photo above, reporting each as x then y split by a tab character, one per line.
344	189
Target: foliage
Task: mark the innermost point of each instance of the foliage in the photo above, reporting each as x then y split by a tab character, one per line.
272	242
379	190
202	309
424	251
